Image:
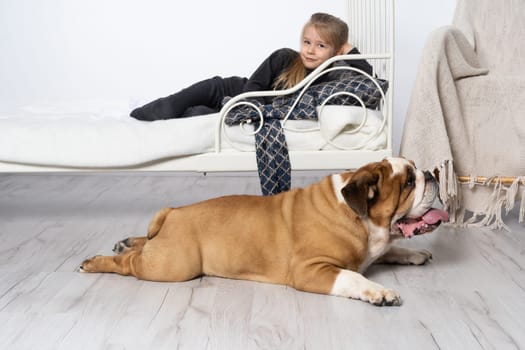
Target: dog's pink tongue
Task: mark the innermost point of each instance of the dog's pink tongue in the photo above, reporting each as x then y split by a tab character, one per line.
431	217
408	226
434	215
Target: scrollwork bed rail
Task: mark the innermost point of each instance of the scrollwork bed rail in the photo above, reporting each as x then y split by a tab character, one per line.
245	100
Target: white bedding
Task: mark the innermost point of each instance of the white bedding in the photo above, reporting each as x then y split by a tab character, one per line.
101	134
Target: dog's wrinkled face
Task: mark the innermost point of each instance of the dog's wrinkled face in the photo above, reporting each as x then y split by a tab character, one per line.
395	194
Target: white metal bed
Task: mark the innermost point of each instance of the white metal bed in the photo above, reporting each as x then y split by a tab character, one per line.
371	24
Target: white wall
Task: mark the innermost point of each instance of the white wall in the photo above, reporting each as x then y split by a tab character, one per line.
69	49
414	21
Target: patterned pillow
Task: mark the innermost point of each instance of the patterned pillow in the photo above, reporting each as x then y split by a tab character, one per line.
358	84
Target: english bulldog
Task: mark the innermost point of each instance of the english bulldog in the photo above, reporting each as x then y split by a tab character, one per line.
318	239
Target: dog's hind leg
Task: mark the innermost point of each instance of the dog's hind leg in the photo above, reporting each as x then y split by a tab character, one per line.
130	243
123	264
145	266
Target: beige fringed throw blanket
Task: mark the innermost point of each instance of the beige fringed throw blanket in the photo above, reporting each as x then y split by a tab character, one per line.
467	110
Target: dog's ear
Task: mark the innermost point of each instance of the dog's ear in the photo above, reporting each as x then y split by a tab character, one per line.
361	191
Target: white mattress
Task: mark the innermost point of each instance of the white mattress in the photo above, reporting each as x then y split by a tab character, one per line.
101	134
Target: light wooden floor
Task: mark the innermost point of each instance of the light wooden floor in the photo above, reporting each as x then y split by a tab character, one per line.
471	296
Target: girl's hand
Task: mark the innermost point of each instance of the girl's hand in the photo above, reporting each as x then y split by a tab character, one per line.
345	49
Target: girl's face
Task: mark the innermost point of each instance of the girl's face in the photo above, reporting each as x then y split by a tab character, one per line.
314	50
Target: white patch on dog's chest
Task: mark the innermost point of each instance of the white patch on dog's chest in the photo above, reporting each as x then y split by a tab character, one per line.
378	244
378	238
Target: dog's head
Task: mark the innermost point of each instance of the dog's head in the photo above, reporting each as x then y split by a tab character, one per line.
394	194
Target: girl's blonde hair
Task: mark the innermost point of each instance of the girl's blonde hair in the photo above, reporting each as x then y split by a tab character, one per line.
332	29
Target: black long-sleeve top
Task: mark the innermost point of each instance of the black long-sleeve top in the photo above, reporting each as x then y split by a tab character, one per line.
280	60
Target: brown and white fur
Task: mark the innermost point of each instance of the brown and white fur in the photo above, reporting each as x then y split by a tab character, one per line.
317	239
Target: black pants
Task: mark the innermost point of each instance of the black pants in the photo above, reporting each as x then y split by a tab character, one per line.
204	97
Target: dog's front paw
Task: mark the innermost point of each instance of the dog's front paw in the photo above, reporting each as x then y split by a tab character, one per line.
383	297
419	257
405	256
351	284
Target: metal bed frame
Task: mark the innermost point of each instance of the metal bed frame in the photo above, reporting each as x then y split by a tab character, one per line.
371	24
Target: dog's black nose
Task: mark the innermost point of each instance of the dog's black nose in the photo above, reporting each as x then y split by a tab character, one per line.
428	175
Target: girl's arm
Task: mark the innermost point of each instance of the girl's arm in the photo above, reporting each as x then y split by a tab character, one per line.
262	79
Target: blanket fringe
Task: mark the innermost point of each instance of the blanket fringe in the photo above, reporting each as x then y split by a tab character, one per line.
522	206
448	189
505	192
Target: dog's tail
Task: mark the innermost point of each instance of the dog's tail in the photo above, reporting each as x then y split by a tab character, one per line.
157	222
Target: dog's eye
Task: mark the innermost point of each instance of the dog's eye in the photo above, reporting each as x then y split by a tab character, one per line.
411	180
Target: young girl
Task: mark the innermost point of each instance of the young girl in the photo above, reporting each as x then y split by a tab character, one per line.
323	37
